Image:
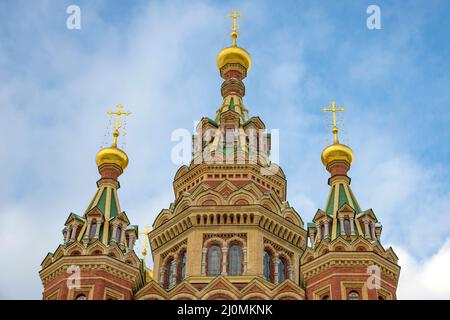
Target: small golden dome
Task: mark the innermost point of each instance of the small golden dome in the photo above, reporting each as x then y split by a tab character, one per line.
337	151
234	54
112	155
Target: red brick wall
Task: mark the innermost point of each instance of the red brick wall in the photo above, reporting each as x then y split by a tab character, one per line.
102	281
334	277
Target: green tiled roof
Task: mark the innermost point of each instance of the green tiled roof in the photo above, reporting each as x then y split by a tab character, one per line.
342	196
101	232
232	104
101	205
113	211
329	209
213	122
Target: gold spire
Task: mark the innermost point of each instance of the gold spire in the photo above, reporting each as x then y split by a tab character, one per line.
333	110
337	151
146	232
117	125
148	271
234	15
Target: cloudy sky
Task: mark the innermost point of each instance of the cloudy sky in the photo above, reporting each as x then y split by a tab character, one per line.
158	59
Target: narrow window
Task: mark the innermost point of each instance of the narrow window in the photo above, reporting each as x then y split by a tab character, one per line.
281	270
229	138
183	266
170	277
214	261
235	260
118	234
93	229
347	227
267	266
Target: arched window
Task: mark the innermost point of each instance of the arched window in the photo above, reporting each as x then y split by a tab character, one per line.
183	266
380	298
229	137
371	230
81	297
267	266
281	270
347	227
214	261
325	297
93	229
170	278
118	233
353	295
322	230
235	256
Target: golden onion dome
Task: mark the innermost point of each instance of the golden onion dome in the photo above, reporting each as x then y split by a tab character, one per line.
112	155
335	152
234	54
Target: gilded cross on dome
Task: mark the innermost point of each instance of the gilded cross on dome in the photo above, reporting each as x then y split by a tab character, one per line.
117	125
333	110
234	15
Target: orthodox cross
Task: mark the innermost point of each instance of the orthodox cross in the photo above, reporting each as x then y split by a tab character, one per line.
333	110
146	232
234	15
117	113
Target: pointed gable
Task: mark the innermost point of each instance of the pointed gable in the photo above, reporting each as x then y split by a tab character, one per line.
72	216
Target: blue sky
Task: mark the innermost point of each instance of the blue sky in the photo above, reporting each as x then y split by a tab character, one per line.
158	59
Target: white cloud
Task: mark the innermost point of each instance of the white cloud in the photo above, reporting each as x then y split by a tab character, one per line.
425	278
23	248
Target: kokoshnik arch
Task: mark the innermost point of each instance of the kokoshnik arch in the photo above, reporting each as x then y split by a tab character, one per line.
230	232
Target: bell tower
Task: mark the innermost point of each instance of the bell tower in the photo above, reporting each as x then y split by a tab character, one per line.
230	233
345	259
96	259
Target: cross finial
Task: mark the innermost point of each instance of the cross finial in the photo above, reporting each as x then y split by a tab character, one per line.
146	232
234	15
333	110
117	125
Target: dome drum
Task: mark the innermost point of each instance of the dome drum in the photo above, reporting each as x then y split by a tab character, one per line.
232	86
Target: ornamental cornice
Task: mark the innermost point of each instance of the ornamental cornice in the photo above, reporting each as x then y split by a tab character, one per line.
254	286
349	259
92	263
198	169
250	215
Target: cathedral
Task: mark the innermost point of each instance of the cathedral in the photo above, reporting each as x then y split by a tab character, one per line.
230	233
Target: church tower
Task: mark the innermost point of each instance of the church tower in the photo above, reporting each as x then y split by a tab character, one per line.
230	233
345	259
97	258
